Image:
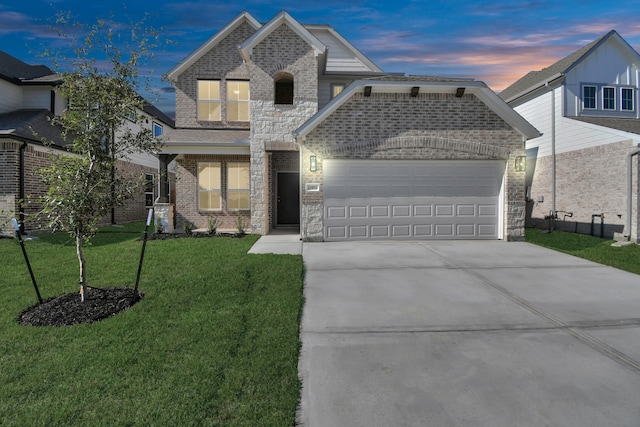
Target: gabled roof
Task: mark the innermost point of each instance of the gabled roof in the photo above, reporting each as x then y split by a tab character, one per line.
16	71
535	79
281	18
426	84
213	41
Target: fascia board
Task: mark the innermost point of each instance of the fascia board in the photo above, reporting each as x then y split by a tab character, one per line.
209	44
281	18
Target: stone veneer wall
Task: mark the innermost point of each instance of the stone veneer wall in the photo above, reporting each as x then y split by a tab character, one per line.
223	62
588	181
427	127
187	193
281	51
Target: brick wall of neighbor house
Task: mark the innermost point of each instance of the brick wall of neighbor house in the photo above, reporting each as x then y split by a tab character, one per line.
222	62
281	51
135	209
279	161
589	181
428	127
9	158
187	194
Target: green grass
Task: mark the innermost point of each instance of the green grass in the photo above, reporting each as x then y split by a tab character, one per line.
589	247
214	342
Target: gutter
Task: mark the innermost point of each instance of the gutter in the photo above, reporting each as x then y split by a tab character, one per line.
536	86
630	190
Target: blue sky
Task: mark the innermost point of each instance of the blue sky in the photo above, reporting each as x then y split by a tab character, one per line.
493	41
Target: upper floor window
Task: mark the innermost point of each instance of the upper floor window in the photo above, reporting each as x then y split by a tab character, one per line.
608	98
589	97
209	107
238	101
626	96
336	90
209	186
284	89
157	130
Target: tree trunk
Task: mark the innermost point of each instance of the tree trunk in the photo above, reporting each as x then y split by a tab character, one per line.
83	272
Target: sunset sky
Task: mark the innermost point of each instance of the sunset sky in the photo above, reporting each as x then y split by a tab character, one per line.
493	41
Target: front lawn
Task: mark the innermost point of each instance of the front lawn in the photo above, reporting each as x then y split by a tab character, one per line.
213	342
589	247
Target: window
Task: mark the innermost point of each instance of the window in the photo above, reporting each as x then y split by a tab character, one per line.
209	193
237	185
157	130
238	101
284	89
608	98
626	99
148	190
209	100
336	90
589	97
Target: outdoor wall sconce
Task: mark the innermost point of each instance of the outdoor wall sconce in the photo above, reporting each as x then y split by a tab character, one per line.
521	164
414	91
313	163
459	92
367	91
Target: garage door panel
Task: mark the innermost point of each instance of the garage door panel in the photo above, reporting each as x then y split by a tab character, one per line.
366	199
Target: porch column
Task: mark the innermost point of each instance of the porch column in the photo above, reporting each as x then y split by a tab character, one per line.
165	159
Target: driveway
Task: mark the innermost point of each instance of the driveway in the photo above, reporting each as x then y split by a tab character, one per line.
467	334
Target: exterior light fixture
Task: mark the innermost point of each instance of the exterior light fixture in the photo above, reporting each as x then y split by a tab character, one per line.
414	91
521	164
459	92
313	163
367	91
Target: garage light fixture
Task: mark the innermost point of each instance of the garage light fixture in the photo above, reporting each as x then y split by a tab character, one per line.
414	91
459	92
367	91
313	163
521	164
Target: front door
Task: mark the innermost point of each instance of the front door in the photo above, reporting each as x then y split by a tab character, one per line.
288	198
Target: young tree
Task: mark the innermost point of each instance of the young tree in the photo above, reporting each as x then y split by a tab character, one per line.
101	125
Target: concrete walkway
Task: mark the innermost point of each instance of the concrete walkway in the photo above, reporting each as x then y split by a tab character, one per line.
467	334
278	243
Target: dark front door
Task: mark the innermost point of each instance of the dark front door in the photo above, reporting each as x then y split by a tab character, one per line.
288	198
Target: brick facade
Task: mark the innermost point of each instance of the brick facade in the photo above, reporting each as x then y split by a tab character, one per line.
37	158
427	127
187	194
589	181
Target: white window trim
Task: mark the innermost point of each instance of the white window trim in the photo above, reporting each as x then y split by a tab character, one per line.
613	89
633	101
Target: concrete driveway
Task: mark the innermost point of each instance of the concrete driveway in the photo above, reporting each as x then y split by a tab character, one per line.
467	334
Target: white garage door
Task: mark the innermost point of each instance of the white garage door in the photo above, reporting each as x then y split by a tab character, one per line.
396	199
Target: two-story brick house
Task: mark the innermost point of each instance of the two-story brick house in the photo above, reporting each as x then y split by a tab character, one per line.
288	125
28	99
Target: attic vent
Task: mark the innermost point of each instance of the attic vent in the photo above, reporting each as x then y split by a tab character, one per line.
283	88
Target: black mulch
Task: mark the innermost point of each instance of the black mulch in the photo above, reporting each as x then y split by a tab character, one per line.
68	309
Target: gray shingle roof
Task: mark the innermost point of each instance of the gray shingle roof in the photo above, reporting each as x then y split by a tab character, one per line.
32	126
535	78
626	125
12	68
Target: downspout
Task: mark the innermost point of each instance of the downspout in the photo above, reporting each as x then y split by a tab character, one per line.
553	151
630	190
21	190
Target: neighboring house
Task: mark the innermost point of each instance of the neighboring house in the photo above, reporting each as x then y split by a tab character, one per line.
289	126
585	162
28	100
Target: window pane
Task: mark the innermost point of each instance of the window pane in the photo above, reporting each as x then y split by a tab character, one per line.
208	90
238	174
609	98
209	111
238	111
209	200
157	130
237	91
627	99
589	97
209	175
284	90
336	90
238	199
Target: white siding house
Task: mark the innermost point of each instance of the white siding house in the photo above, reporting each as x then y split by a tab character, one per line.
586	107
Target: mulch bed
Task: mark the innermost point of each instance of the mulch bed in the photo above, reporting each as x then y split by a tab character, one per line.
68	309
